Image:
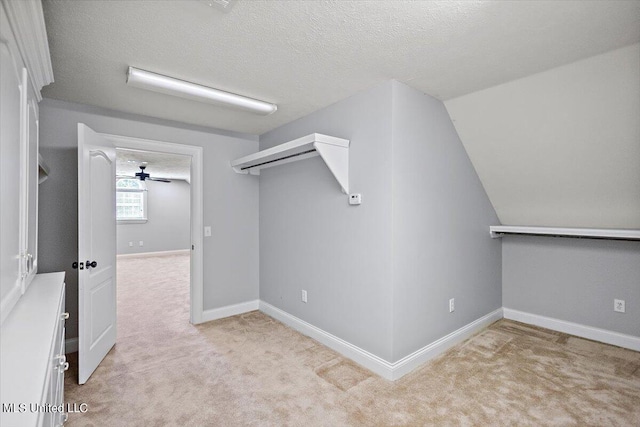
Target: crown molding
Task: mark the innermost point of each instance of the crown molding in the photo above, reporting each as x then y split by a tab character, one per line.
27	23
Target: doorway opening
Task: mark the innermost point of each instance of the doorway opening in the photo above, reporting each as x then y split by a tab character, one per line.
153	243
167	232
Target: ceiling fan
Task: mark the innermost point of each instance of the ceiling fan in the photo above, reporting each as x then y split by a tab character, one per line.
143	176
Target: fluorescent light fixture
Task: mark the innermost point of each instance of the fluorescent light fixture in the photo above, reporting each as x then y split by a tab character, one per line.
170	86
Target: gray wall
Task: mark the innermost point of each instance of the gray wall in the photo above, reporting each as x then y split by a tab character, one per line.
310	238
168	223
230	200
575	280
380	275
441	217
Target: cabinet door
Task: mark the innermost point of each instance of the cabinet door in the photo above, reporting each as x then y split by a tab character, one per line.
11	117
31	229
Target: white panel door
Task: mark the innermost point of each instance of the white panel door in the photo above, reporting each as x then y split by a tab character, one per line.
96	244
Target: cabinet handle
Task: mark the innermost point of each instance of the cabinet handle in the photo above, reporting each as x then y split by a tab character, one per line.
64	417
65	315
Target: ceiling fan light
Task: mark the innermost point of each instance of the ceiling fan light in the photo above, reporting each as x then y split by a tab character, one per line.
168	85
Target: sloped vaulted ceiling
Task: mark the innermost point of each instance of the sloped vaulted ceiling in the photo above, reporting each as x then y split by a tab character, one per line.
562	147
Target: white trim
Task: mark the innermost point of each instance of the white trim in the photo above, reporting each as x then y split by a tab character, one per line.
132	221
229	310
589	332
388	370
428	352
197	203
27	23
70	345
355	353
333	151
497	231
152	254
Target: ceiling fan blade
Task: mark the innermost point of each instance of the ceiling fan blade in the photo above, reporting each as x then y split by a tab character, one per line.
158	179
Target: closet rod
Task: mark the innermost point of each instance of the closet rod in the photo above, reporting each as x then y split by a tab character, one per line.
277	160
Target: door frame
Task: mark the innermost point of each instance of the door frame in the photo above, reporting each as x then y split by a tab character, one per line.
196	153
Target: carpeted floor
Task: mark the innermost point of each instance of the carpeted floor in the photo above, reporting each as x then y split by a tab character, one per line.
251	370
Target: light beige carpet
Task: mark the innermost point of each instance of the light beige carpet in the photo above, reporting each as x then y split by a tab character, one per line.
251	370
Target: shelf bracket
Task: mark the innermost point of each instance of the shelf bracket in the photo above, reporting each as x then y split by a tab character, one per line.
337	160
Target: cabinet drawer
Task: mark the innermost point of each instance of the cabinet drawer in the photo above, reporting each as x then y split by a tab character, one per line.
57	365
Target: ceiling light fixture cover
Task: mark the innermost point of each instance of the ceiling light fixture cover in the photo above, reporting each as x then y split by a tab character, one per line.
168	85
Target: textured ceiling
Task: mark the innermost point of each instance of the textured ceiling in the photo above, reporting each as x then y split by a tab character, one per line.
305	55
159	165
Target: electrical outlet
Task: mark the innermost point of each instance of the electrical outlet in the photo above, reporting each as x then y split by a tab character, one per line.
140	243
304	296
618	305
452	305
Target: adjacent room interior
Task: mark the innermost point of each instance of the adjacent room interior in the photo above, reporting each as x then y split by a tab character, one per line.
320	213
153	200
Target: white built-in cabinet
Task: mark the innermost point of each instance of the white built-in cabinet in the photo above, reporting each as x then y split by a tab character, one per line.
33	361
32	305
25	69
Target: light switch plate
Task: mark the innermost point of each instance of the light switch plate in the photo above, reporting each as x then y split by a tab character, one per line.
207	231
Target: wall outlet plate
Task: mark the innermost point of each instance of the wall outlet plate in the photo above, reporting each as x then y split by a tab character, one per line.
452	305
618	305
304	295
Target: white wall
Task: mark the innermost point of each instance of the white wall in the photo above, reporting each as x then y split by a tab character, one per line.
168	220
230	199
574	280
379	275
562	147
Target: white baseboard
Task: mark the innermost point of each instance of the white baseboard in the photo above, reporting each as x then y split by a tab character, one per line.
70	345
229	310
358	355
152	254
417	358
388	370
589	332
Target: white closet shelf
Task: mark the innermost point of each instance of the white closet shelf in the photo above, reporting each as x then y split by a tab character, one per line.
592	233
333	151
